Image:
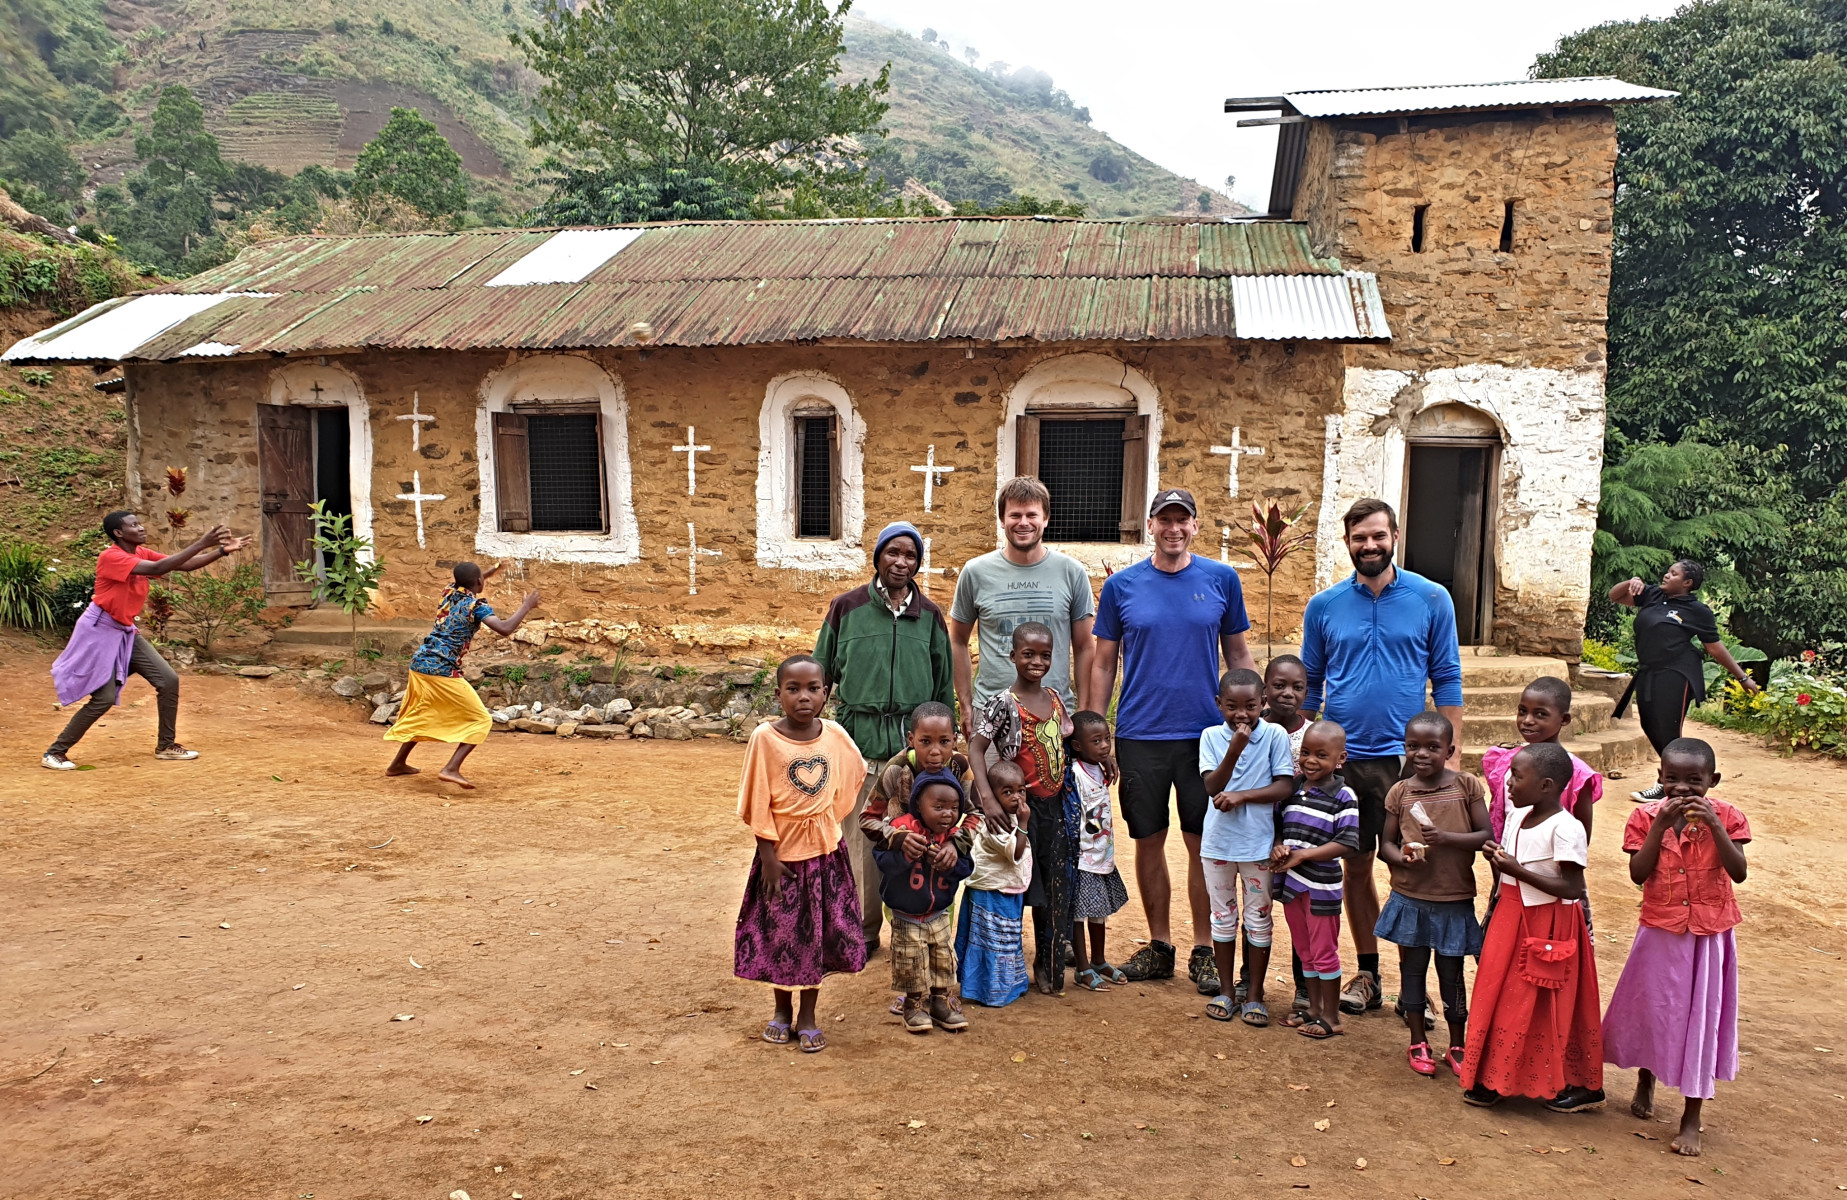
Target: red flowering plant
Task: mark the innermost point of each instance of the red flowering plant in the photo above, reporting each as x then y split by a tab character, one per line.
1804	708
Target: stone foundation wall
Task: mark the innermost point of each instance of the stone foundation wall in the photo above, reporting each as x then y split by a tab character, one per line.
629	590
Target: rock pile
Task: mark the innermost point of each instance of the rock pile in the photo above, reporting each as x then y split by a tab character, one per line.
619	719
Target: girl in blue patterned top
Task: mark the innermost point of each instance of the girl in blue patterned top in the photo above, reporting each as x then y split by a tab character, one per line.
440	706
1316	828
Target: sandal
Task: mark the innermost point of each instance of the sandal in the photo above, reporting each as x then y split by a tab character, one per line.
1219	1008
813	1041
1318	1029
1111	973
1090	981
897	1005
1421	1060
1254	1014
1295	1018
776	1033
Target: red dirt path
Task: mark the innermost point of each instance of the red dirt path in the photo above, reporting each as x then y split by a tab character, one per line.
574	916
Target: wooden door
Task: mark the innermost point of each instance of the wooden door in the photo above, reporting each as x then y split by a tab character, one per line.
285	472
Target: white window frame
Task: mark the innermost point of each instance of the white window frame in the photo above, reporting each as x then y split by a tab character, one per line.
1079	383
560	379
777	545
294	383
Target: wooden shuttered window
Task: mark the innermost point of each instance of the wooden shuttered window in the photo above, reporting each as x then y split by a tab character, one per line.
1134	478
1097	460
512	473
817	475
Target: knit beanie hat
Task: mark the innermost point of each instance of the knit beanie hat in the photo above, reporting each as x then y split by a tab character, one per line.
897	529
940	775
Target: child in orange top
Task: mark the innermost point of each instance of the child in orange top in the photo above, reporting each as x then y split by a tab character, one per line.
800	919
1675	1010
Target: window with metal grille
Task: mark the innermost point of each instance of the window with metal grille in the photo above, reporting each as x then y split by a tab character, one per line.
1080	463
565	461
815	498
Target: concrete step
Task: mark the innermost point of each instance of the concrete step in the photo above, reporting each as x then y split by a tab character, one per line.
1621	746
331	629
1513	671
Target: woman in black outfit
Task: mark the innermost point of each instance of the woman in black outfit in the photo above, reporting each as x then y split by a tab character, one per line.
1671	630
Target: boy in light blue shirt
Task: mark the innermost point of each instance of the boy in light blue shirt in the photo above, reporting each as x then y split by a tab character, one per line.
1248	769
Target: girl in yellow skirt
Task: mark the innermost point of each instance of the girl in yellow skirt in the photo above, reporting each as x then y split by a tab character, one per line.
439	705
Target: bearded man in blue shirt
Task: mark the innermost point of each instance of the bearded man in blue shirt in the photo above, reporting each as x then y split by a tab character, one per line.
1370	645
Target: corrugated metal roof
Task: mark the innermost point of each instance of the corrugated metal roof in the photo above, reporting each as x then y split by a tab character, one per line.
738	283
1519	93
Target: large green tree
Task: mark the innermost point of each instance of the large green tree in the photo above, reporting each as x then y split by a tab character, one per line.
1727	296
412	160
701	108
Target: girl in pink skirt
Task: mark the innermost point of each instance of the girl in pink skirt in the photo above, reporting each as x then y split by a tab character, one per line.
1674	1013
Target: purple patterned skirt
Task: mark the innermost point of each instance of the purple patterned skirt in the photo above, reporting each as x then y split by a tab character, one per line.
812	930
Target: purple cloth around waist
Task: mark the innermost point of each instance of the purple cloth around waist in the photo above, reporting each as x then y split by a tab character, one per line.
97	655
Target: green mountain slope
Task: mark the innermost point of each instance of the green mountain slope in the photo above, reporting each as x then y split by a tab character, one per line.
287	83
966	135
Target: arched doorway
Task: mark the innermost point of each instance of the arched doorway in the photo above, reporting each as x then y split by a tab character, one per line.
1451	494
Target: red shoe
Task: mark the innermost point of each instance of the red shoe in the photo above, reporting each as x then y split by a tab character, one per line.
1421	1059
1453	1056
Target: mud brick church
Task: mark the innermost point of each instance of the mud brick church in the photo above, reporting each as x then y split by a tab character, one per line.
695	429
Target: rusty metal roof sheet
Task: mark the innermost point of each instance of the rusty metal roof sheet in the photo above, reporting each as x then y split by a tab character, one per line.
740	283
1578	92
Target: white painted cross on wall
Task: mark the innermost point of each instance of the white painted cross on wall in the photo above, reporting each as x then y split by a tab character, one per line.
693	551
417	496
417	420
1236	450
691	450
932	476
924	569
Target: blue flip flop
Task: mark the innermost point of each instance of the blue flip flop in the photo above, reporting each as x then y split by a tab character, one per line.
776	1033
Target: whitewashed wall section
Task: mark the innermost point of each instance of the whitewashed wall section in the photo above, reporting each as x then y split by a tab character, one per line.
1552	425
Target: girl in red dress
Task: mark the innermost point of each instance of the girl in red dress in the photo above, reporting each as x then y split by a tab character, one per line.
1534	1027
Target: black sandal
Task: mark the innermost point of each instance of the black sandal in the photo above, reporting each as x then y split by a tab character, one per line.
1308	1029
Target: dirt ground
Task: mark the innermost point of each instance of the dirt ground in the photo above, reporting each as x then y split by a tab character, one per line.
200	967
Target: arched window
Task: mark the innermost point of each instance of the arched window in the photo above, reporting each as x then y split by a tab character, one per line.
811	491
552	438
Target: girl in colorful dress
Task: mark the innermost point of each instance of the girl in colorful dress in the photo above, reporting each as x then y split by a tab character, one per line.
1543	713
1535	1030
800	919
439	705
1027	725
1674	1014
990	940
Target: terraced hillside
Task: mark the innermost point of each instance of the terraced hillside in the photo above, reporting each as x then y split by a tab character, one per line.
286	84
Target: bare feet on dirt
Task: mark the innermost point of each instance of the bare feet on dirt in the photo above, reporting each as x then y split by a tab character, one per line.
403	769
1643	1106
450	775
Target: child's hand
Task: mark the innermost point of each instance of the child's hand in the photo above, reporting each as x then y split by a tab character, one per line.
1413	852
1278	855
1433	836
772	871
912	845
1698	808
1499	858
1226	801
943	858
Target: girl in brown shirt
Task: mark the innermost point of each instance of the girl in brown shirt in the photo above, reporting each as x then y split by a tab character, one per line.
1435	823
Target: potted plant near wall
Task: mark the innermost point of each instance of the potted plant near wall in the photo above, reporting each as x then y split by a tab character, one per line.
343	570
1274	538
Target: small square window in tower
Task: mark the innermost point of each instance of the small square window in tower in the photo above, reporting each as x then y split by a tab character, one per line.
817	478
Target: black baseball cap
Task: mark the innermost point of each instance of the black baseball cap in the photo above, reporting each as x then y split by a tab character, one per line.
1173	496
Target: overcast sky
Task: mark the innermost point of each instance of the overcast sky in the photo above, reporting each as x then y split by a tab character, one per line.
1155	74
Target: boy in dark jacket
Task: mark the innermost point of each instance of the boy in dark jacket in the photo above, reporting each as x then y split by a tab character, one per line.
919	883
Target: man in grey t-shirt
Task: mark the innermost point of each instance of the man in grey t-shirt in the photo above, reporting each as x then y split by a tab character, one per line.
1022	581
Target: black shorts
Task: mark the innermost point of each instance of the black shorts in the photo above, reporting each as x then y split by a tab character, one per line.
1150	770
1370	779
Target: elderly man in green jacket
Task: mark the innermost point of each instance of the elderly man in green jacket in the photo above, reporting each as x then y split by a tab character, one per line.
885	649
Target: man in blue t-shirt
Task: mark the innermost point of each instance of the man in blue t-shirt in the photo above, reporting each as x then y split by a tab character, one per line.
1169	617
1372	643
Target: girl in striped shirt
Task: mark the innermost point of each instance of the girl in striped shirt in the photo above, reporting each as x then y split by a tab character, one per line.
1317	827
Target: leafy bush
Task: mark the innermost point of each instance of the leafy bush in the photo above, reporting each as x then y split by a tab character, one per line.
70	594
1798	711
1604	656
215	603
25	587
